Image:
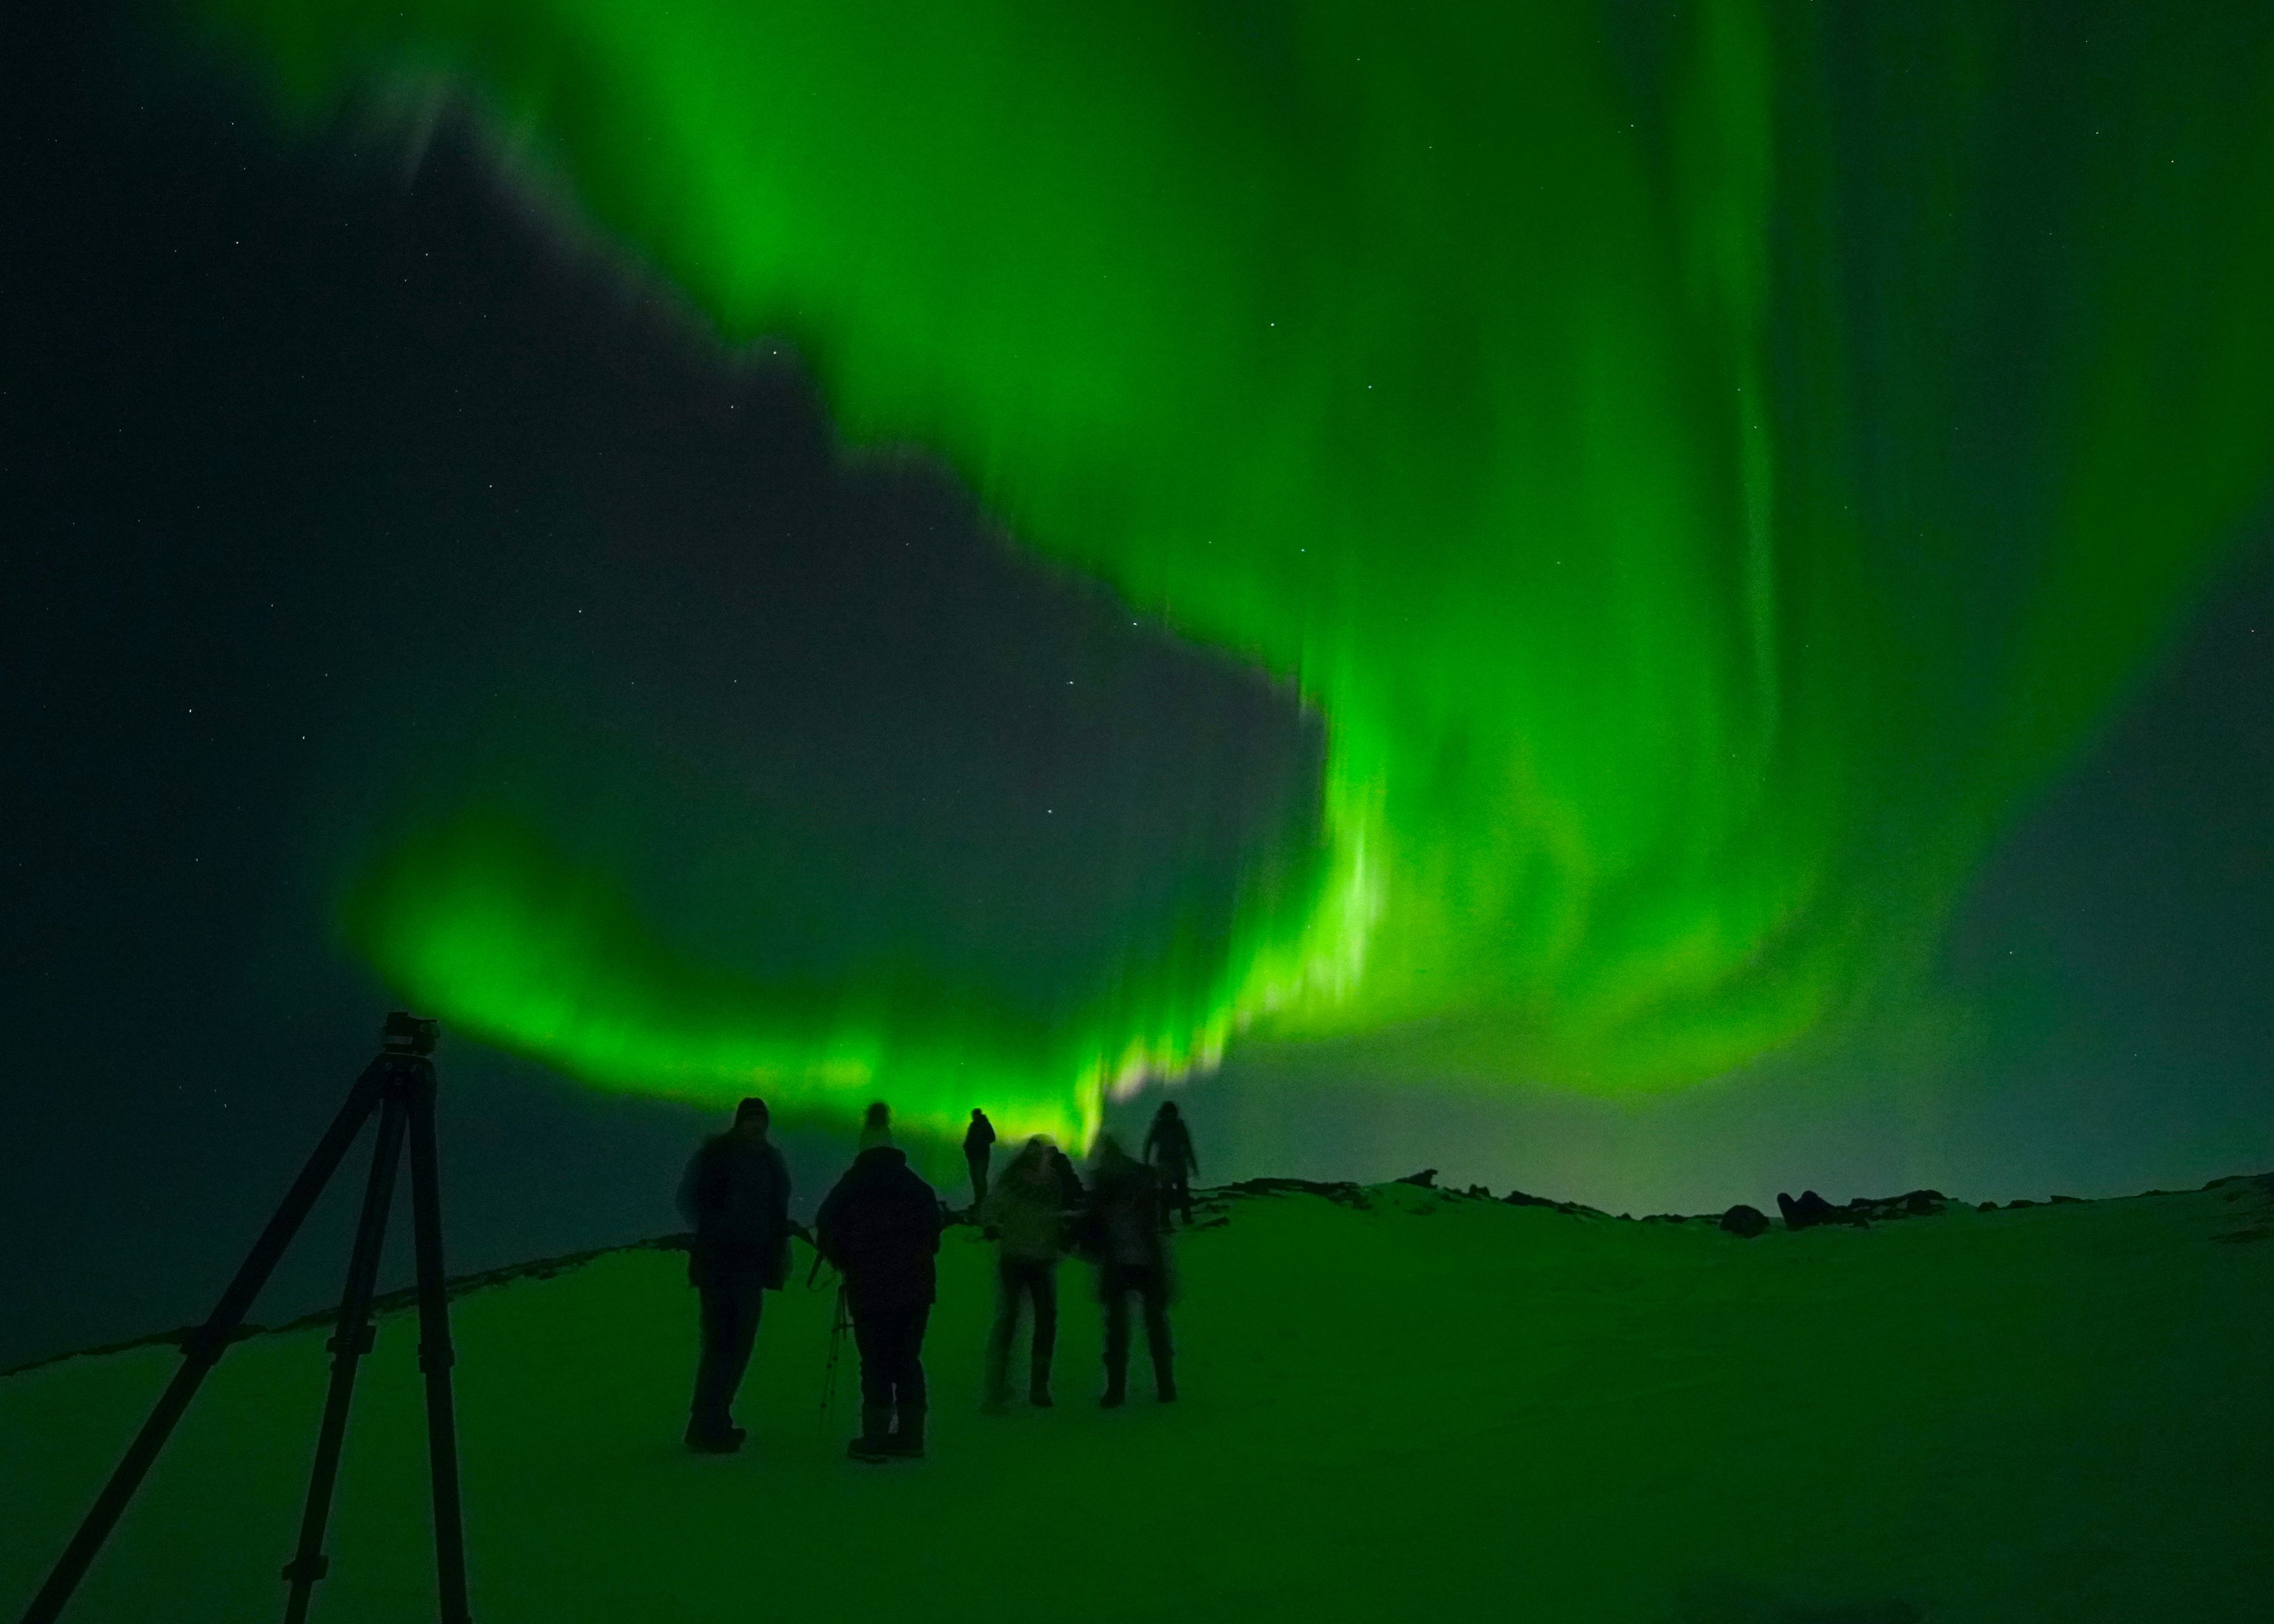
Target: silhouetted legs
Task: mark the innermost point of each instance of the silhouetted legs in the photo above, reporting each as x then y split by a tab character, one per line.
1176	1192
1152	1286
1016	1278
891	1341
730	1328
977	1160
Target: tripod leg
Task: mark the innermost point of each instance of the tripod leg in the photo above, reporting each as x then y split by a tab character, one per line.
435	1356
204	1348
350	1342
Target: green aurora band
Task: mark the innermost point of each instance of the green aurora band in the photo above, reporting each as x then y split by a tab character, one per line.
1708	465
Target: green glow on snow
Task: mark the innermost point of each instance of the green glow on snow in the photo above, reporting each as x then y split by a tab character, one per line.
1709	464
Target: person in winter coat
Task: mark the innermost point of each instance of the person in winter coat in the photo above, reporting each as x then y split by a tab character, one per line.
1072	1197
978	1155
1169	1152
1027	1215
1124	1230
880	1227
735	1196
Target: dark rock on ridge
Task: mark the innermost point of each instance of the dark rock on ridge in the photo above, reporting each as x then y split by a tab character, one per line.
1813	1209
1917	1204
1342	1192
1746	1222
1810	1210
1517	1197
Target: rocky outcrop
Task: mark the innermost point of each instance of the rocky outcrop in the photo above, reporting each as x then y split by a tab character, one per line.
1746	1222
1811	1208
1517	1197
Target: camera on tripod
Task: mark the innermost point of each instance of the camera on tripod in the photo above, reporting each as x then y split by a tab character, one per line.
406	1033
396	1088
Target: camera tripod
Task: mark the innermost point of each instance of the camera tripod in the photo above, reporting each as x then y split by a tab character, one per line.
399	1085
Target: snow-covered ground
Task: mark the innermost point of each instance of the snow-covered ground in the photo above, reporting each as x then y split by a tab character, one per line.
1401	1404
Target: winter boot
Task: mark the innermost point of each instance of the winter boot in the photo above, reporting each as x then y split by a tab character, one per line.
1039	1394
875	1444
907	1439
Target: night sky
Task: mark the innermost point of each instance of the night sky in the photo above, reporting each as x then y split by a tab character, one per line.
354	502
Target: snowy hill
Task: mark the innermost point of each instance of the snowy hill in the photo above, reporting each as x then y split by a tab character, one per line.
1399	1403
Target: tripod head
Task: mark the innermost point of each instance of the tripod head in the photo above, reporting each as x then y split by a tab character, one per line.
405	1034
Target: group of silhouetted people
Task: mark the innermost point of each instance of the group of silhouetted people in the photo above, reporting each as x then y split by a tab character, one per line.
880	1226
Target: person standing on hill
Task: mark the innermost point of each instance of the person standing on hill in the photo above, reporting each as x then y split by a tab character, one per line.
880	1227
735	1196
1124	1230
978	1154
1169	1151
1026	1216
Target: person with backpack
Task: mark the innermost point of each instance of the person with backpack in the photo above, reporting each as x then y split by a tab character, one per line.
880	1227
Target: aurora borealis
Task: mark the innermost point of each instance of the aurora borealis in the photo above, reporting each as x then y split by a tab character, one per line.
1707	466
